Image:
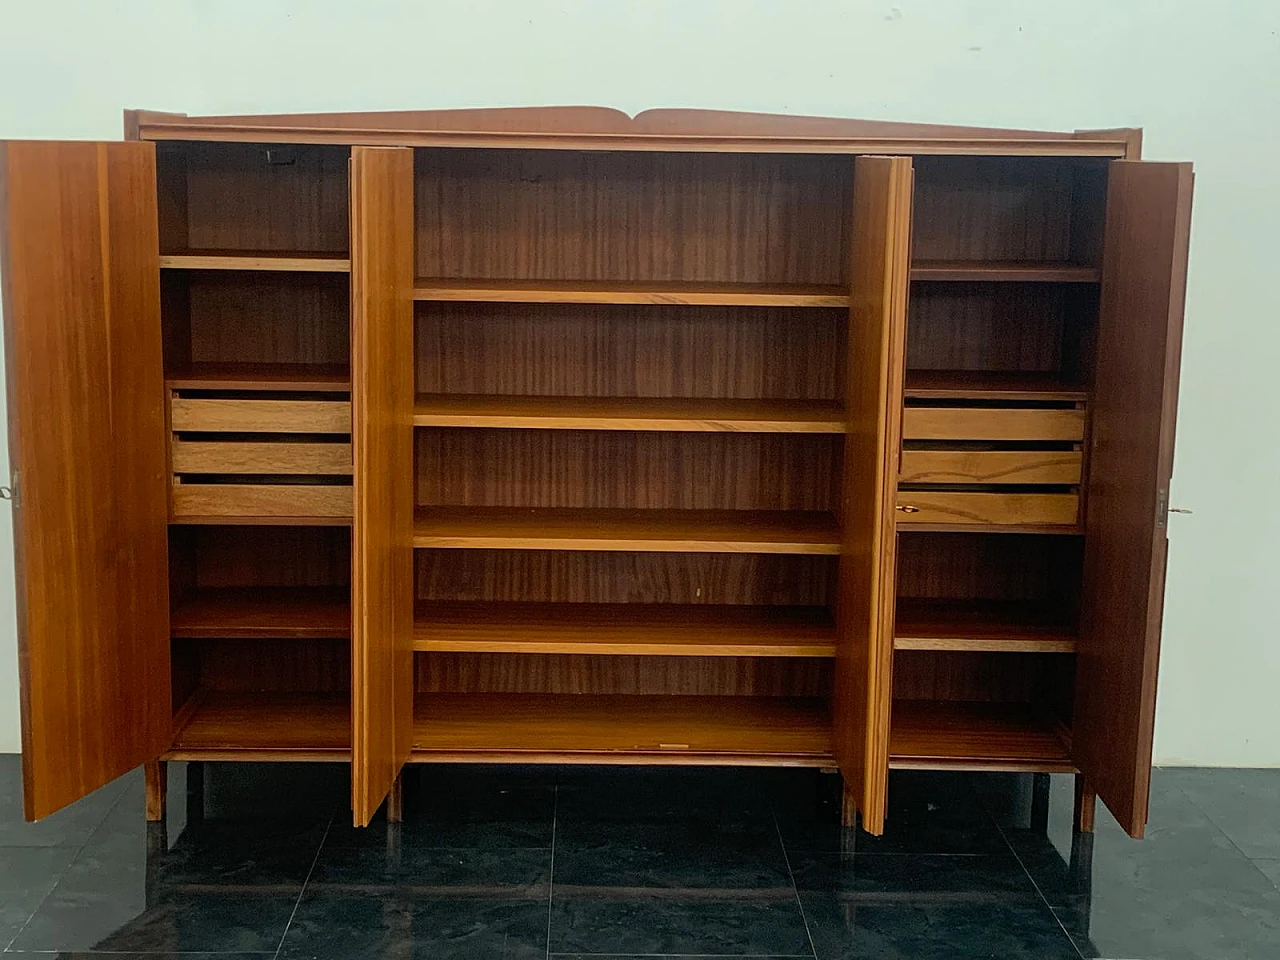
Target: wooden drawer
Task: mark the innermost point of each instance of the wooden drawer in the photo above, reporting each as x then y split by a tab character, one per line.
1016	509
268	502
199	414
251	457
990	466
992	423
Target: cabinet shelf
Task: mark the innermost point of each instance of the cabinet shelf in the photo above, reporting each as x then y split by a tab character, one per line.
670	292
703	630
264	612
984	385
263	727
290	262
298	377
953	735
1004	271
581	728
669	531
981	626
676	414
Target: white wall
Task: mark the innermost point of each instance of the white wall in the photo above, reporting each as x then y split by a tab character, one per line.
1203	79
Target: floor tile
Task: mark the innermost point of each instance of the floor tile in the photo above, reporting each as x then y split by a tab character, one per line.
27	874
220	886
70	826
1183	893
142	956
1245	804
664	795
1271	868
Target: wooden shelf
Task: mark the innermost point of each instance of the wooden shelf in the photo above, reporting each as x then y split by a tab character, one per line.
300	377
263	727
936	735
983	385
701	630
569	728
1009	271
264	612
291	262
668	531
697	294
679	414
978	626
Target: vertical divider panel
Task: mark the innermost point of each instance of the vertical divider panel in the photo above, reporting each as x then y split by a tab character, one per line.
382	384
881	247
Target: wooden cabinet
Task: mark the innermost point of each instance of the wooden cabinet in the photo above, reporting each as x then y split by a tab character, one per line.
561	436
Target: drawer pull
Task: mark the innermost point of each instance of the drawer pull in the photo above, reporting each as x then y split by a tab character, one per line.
908	508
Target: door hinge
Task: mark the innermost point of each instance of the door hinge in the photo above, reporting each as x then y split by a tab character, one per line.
11	491
1162	506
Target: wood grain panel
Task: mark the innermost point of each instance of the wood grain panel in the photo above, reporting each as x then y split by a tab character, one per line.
1003	271
977	626
874	368
259	556
275	665
247	197
237	317
279	377
781	729
665	531
480	673
972	676
990	566
987	326
78	241
680	414
626	470
228	260
263	503
942	384
1035	509
260	458
259	416
248	726
990	466
559	215
1131	460
581	291
992	423
969	736
263	612
627	351
566	576
382	439
686	630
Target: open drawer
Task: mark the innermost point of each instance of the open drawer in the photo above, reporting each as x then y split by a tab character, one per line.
239	456
994	463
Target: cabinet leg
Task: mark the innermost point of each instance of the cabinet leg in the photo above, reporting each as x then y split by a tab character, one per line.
1040	788
848	808
1086	804
156	775
195	791
395	800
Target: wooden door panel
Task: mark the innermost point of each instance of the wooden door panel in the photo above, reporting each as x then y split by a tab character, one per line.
876	360
79	237
1130	463
382	372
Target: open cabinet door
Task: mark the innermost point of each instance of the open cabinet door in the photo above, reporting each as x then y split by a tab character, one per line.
382	381
81	275
1135	397
881	252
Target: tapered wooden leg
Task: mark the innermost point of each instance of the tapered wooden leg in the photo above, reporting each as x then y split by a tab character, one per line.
395	800
156	775
1086	804
848	808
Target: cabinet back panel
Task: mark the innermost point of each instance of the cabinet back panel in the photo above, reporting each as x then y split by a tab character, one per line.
566	576
286	666
985	677
244	317
253	556
1007	208
690	676
985	326
559	215
630	351
641	470
253	197
987	566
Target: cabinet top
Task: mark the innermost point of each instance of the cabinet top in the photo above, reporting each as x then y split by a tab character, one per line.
604	128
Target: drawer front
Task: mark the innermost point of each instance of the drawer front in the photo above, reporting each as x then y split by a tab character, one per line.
991	466
992	423
248	457
1015	509
264	502
198	414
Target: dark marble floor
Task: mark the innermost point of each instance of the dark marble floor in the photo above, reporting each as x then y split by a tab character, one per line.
641	862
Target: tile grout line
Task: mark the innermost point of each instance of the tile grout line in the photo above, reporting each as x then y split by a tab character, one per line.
1226	836
8	947
302	892
786	858
551	873
1035	886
